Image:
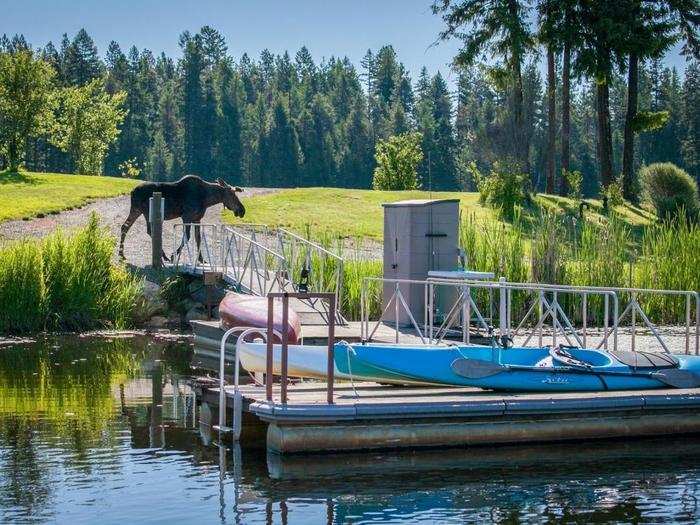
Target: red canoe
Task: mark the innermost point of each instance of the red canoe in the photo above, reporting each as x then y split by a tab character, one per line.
248	310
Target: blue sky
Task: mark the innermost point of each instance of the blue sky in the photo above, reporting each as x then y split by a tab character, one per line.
331	27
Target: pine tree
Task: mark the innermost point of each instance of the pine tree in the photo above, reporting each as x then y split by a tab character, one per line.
319	144
653	27
690	124
81	62
193	65
280	156
213	45
434	118
228	125
501	28
601	29
357	161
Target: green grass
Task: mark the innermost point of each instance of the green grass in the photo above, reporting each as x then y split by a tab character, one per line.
338	212
25	195
358	213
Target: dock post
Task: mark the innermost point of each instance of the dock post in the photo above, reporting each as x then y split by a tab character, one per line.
397	291
285	349
155	218
465	321
502	307
331	347
270	335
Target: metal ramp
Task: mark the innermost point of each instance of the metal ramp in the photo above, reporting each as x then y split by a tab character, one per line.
258	260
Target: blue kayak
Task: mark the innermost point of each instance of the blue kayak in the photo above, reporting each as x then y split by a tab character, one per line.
525	369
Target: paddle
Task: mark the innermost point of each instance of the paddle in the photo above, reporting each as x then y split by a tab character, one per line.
677	378
479	369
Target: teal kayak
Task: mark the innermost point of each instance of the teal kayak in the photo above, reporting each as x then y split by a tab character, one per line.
522	369
349	366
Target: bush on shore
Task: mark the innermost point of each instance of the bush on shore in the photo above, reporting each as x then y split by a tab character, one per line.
670	190
65	282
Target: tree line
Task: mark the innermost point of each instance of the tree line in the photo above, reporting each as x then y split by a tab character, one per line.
283	120
596	40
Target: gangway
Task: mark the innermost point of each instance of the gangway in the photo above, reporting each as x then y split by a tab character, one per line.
258	260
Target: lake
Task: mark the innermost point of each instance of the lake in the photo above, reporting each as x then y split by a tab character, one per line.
105	429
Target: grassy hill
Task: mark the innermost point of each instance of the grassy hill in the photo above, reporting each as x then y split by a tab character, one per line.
25	195
358	213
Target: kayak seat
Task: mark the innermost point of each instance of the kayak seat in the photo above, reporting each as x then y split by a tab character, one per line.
645	360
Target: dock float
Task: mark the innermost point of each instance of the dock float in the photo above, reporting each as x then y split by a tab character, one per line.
369	416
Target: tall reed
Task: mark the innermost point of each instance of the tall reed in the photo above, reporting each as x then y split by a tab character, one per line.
354	273
22	288
669	260
494	247
600	256
66	282
549	250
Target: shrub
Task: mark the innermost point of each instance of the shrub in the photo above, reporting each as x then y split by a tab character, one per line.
574	183
129	169
614	194
670	189
398	158
502	189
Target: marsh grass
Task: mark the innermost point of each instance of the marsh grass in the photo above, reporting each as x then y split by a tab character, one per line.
591	253
669	260
355	271
66	282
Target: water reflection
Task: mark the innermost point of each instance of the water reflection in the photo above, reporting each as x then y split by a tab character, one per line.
600	482
107	429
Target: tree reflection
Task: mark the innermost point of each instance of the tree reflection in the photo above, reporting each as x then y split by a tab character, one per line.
63	397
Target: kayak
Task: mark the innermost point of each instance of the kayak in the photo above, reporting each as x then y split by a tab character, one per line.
250	311
558	369
311	361
302	360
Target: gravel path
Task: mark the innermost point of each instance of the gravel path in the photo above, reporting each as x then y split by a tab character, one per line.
112	213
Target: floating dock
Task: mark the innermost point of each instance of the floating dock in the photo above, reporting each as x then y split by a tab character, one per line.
369	416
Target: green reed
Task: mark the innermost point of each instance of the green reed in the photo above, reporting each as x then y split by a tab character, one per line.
66	282
669	260
354	273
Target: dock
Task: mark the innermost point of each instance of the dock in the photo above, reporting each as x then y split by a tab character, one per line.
367	416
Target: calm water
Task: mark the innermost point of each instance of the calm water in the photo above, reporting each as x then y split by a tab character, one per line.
105	430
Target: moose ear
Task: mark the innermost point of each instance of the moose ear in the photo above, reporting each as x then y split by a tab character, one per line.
238	189
220	182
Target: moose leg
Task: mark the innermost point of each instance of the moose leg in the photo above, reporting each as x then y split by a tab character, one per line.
198	240
185	239
133	215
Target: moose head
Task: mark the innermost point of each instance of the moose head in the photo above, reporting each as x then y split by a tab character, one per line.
230	199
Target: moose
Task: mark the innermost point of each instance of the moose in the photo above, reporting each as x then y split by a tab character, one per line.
188	198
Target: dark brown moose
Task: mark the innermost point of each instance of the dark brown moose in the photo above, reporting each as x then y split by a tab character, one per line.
188	199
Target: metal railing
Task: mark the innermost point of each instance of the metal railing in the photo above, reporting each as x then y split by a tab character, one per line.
254	268
544	310
322	268
195	247
260	260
